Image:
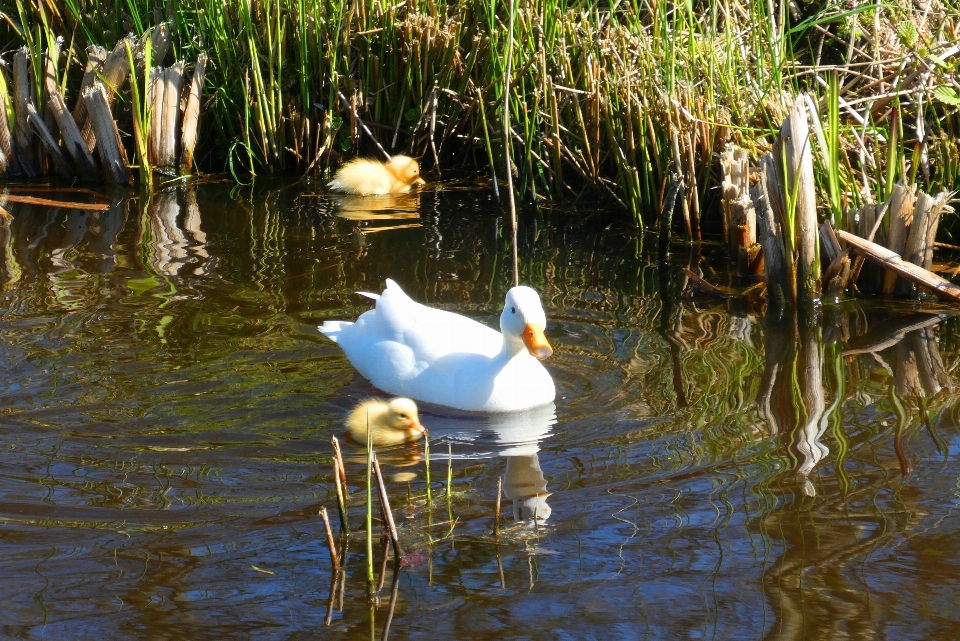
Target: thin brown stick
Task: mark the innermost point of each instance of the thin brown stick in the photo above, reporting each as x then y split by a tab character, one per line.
334	560
343	470
341	503
496	509
890	260
356	116
385	505
47	202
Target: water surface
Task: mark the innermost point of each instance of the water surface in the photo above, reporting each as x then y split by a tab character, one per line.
707	471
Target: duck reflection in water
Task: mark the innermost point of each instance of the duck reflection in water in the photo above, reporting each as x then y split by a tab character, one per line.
516	437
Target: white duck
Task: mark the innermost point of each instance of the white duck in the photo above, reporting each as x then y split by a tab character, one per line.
439	357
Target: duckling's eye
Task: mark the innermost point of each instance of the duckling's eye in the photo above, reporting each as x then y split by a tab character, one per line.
513	310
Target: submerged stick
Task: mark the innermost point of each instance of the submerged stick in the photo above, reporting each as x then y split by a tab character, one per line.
394	593
426	459
369	508
449	470
334	560
332	598
496	510
387	513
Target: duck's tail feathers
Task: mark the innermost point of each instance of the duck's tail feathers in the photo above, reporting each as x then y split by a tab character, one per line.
369	295
332	329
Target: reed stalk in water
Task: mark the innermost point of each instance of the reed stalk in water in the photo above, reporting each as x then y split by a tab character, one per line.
370	576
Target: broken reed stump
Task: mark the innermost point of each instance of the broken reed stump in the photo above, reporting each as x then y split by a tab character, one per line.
739	214
73	141
23	141
66	143
787	191
191	116
113	159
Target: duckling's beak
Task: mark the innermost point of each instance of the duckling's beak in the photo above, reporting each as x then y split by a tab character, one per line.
417	426
419	182
536	342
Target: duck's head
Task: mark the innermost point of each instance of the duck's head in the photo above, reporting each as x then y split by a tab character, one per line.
406	170
402	415
523	318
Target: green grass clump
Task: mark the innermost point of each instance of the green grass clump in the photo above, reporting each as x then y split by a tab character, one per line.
598	89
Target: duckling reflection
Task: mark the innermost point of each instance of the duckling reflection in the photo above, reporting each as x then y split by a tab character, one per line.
386	207
515	436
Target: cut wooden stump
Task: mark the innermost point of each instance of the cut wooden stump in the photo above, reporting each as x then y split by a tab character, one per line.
112	156
890	260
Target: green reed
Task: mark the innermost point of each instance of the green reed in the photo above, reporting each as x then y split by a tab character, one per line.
597	91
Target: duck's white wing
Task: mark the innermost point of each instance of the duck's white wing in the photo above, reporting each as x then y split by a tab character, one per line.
431	333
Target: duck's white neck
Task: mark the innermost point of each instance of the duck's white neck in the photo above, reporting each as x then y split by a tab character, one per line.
512	345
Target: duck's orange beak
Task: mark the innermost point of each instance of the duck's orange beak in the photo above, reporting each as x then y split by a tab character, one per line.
419	182
536	342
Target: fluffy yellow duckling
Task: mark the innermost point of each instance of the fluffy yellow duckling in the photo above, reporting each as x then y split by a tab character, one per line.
392	422
364	177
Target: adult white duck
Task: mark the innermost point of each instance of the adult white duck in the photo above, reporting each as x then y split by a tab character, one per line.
439	357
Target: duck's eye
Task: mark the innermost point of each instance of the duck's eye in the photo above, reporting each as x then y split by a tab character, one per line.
513	310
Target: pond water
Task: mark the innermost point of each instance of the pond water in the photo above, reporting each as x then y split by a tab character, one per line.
707	471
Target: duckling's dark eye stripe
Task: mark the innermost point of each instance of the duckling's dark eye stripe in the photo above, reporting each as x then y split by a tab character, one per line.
513	310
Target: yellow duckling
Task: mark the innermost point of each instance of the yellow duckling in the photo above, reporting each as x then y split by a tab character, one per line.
364	177
392	422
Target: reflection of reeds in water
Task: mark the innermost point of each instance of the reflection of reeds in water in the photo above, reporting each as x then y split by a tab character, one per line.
174	240
9	269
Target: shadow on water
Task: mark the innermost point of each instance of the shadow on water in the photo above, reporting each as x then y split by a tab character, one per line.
710	469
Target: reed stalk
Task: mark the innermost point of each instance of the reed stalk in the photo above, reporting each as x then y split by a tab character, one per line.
426	467
370	575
